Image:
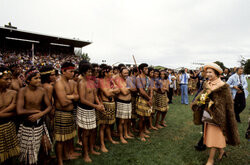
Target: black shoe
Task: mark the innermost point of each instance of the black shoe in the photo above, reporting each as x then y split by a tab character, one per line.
200	148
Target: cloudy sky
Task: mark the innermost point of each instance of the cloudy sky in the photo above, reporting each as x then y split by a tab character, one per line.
170	33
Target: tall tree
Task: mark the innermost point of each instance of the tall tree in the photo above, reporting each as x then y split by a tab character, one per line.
247	67
242	61
84	56
220	64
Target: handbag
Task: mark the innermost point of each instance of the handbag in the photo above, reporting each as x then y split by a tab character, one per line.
197	115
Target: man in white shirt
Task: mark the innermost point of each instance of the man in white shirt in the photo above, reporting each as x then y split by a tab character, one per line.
184	86
238	85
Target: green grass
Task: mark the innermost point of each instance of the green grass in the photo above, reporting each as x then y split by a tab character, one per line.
173	145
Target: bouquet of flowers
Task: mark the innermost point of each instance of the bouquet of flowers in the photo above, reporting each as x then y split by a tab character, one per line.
201	103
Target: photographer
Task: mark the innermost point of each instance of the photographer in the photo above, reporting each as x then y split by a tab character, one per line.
238	85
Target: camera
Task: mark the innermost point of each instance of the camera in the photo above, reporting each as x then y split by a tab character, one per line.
240	87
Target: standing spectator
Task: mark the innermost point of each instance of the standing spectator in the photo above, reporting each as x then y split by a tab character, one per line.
184	86
238	85
225	76
171	87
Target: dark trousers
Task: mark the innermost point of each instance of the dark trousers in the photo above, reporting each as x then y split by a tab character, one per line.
170	94
239	104
200	143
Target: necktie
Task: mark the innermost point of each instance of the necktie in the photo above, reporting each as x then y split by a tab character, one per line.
185	78
240	79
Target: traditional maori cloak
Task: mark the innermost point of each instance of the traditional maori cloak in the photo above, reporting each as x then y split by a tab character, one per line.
222	112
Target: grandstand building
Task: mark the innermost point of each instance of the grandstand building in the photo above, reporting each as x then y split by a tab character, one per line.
13	39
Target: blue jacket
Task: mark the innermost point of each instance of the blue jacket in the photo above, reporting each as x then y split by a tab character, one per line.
235	81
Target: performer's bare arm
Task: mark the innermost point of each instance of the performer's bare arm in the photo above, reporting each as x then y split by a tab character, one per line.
12	105
116	89
131	86
83	99
98	101
124	91
8	111
37	116
75	95
108	92
20	104
61	94
49	90
141	90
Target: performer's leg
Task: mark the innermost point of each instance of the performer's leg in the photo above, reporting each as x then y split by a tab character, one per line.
120	127
125	126
103	147
108	132
129	128
85	140
163	118
157	125
59	152
92	142
141	129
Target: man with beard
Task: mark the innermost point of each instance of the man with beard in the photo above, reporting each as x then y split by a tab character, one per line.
144	103
124	107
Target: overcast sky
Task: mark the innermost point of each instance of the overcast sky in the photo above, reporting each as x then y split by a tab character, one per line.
170	33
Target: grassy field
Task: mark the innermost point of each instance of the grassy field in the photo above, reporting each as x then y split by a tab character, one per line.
173	145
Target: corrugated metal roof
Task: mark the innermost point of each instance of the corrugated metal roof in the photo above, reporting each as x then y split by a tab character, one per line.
42	38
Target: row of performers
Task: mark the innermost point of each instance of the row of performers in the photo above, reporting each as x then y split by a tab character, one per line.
53	109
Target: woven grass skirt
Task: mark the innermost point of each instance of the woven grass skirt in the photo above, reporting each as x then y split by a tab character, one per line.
107	117
161	102
30	141
64	126
86	119
142	108
9	146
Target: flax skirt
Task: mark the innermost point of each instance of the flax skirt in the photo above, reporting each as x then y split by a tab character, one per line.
64	126
107	117
9	146
142	108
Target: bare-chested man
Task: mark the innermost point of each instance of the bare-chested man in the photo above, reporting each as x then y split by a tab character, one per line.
73	87
124	106
131	83
161	100
152	84
47	79
9	146
64	123
86	115
107	92
33	104
144	103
